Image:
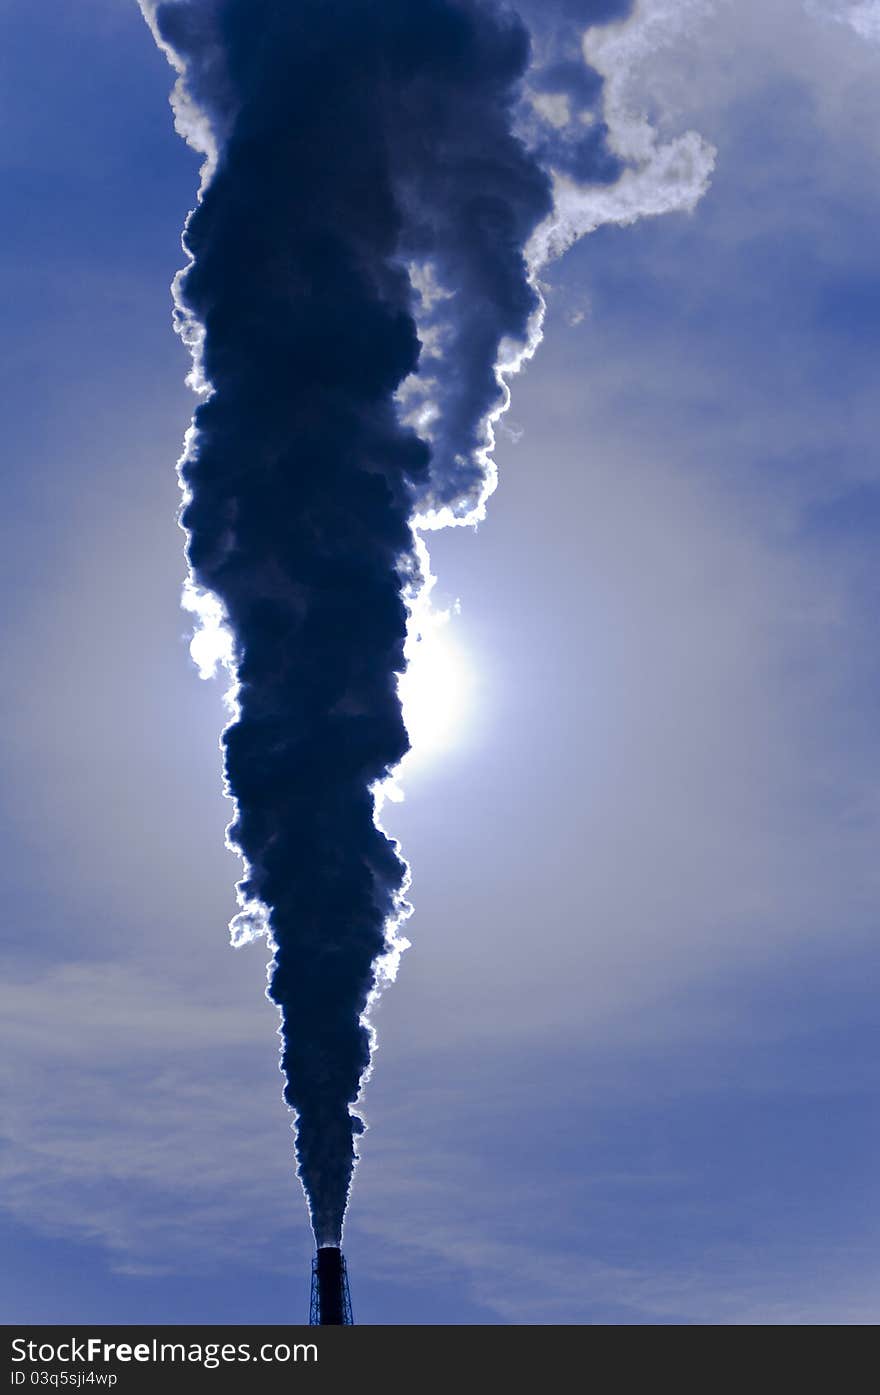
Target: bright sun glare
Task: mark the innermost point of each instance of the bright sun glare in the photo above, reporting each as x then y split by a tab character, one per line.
434	690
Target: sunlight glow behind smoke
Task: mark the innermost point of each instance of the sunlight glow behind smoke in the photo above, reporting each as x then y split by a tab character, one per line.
211	644
435	689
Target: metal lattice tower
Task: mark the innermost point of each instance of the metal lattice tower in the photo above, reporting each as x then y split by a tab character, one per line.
330	1304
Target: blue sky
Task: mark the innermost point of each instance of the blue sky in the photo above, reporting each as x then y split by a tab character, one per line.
628	1073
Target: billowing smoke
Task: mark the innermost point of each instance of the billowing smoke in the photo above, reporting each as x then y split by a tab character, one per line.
358	286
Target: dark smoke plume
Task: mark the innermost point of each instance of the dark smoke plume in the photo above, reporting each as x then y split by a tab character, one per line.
357	286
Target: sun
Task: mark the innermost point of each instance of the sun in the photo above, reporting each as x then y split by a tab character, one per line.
435	690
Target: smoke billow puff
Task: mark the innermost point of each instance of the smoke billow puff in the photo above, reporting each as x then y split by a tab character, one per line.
358	286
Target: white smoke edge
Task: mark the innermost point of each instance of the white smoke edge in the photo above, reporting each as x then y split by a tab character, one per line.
190	120
661	179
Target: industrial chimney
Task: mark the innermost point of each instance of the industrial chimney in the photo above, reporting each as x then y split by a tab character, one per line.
331	1300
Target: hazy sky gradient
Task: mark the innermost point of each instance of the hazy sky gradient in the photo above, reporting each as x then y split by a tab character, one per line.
629	1071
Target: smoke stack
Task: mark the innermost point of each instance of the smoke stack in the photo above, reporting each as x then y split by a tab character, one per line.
331	1300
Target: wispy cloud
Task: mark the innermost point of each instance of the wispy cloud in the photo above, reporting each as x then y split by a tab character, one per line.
156	1132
